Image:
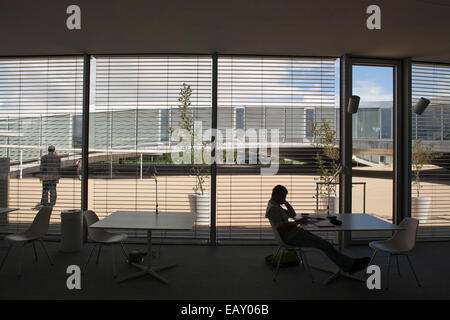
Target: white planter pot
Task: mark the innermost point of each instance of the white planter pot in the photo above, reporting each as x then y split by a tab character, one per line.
201	205
333	201
420	208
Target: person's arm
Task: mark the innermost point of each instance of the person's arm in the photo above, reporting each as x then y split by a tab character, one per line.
43	167
287	226
291	213
290	209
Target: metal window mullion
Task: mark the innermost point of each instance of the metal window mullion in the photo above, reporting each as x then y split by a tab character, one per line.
402	142
345	143
213	230
85	136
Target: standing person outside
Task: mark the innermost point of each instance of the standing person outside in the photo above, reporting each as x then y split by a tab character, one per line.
50	170
78	164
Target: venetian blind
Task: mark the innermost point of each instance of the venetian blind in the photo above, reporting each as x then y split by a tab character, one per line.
40	105
134	108
283	96
431	139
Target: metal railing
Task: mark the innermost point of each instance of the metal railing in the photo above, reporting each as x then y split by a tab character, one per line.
337	183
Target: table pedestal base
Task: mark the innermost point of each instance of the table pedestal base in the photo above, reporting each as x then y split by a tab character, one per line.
336	273
146	270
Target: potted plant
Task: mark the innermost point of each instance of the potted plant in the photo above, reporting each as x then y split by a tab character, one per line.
199	201
325	138
421	156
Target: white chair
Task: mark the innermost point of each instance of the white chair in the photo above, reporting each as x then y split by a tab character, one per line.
284	246
102	237
401	243
36	231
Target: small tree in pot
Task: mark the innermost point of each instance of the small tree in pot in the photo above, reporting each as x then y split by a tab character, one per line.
200	200
421	156
326	140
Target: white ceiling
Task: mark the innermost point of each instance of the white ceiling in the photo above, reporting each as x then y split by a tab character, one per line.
409	28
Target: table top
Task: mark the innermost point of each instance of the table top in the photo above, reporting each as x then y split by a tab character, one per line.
6	210
146	220
354	222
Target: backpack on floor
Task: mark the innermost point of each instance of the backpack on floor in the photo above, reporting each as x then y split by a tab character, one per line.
289	258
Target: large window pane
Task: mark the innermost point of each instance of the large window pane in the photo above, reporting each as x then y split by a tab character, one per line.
41	104
431	164
134	110
372	190
283	95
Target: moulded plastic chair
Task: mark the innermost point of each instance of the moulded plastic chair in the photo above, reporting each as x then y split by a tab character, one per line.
284	246
102	237
401	243
36	231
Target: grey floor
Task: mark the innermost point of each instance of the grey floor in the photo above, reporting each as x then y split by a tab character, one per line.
223	272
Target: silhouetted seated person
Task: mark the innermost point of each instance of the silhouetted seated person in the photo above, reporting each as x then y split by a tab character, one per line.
295	236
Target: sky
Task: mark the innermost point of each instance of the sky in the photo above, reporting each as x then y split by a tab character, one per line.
373	83
370	83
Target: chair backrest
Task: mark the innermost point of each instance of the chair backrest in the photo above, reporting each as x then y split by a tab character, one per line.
277	236
406	239
40	223
91	217
95	234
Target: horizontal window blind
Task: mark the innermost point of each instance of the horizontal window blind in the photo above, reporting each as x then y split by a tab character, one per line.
283	95
134	109
40	105
431	145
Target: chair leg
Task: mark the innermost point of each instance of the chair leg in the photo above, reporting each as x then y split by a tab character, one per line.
98	254
299	254
278	264
275	255
89	257
113	261
388	268
415	276
373	257
35	253
6	255
278	250
306	265
398	266
123	251
19	271
46	253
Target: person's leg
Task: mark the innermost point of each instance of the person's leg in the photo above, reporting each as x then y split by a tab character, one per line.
306	239
52	194
44	199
